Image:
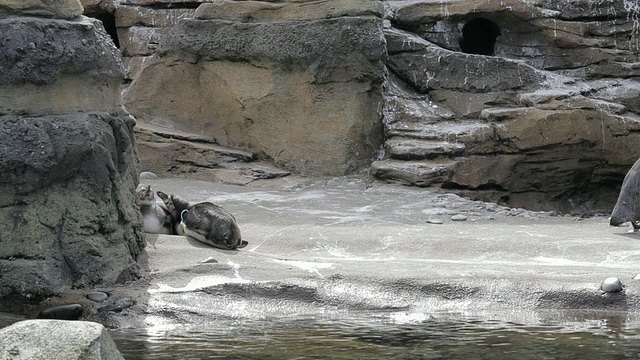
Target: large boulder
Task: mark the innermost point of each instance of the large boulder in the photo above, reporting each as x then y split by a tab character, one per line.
302	88
68	213
57	340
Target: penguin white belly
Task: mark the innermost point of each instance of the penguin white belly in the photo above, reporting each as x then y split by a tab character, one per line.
184	230
151	225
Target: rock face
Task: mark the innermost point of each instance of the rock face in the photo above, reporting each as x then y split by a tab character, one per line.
257	76
178	154
63	9
549	121
57	339
68	214
533	103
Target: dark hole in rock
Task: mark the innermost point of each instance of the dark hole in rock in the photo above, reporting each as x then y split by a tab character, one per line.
109	23
479	37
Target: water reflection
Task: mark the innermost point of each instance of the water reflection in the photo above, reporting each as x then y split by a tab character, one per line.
393	335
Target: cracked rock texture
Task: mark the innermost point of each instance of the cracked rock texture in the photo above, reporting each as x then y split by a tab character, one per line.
257	76
68	213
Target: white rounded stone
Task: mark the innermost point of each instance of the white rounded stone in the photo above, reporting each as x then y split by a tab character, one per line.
612	284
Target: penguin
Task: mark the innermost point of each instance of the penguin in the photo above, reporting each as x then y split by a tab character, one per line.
205	222
155	218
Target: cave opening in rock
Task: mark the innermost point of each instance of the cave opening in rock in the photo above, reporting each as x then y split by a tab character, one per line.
479	37
109	23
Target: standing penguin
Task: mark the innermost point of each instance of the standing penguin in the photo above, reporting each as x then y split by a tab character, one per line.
205	222
628	205
155	218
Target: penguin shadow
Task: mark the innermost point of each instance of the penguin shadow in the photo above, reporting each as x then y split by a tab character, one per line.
151	239
631	235
195	243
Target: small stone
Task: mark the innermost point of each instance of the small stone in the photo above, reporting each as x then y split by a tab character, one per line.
435	221
148	175
436	211
97	296
124	303
459	217
113	308
209	260
611	285
62	312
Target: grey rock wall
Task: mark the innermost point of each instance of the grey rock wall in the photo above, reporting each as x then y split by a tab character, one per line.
69	166
547	118
298	85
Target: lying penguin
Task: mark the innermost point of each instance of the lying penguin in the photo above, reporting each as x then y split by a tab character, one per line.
205	222
155	218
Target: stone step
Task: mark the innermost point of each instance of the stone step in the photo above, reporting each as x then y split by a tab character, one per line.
201	144
168	152
450	131
416	173
417	149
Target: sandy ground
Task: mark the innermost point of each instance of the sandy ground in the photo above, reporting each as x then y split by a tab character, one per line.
344	244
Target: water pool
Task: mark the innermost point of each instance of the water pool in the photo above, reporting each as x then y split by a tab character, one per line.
394	335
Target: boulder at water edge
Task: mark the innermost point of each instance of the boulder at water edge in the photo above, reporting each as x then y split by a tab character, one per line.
57	340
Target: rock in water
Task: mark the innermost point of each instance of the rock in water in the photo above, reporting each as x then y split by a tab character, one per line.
611	285
628	205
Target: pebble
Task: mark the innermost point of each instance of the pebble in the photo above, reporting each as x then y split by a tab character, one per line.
62	312
124	303
459	217
209	260
435	211
611	285
148	175
435	221
114	308
97	296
